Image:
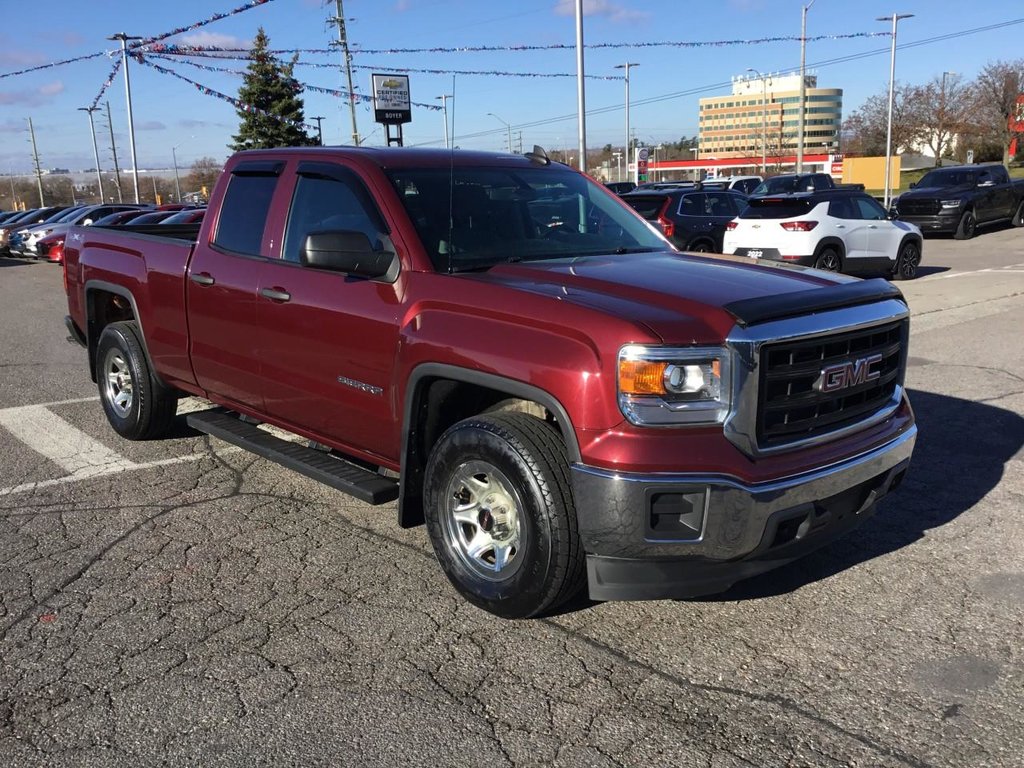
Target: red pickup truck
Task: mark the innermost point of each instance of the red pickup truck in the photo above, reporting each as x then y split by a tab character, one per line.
507	349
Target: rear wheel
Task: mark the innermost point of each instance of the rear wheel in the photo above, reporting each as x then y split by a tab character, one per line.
701	246
968	226
500	514
829	260
138	406
907	261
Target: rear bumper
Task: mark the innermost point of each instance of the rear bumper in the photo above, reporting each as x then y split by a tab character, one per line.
773	254
683	535
939	222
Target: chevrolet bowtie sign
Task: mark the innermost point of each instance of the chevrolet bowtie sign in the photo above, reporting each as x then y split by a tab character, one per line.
391	104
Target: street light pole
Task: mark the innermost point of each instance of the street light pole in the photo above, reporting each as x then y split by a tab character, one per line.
895	19
507	125
626	67
95	149
581	97
444	109
803	89
128	94
764	117
174	159
618	165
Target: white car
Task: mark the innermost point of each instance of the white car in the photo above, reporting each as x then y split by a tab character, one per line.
836	230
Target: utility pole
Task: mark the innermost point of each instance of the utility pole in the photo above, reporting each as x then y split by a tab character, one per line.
803	90
581	97
128	95
508	127
895	19
626	67
943	122
319	130
113	151
35	159
174	159
347	57
95	149
444	109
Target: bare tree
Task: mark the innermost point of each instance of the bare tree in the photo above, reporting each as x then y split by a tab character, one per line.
865	129
996	92
204	174
943	110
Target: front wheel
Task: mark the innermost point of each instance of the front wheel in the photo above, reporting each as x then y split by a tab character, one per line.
500	514
137	405
1018	217
829	261
907	261
967	227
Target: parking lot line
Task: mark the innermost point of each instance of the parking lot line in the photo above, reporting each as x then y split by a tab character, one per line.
66	446
1011	268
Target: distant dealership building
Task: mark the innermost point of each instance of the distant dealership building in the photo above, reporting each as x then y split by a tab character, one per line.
731	126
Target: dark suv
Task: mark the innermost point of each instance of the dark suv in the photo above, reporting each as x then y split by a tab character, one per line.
693	219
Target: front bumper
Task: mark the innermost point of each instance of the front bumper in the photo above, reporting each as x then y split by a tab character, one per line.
683	535
939	222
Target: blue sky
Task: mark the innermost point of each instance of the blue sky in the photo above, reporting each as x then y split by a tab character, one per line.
169	112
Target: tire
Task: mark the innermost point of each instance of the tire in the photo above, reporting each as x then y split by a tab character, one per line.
502	481
1018	217
967	228
908	259
702	246
829	260
138	407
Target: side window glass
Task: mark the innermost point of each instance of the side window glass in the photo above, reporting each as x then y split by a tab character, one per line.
322	204
718	205
691	205
869	209
243	213
840	209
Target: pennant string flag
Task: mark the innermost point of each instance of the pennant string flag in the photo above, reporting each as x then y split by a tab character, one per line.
203	23
107	83
54	64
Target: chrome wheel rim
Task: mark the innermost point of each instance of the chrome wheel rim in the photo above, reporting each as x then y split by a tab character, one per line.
969	225
482	521
120	388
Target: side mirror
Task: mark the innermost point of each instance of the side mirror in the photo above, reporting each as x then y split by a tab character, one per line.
349	252
87	222
913	184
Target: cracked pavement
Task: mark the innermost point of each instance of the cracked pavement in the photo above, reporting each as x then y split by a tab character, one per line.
206	607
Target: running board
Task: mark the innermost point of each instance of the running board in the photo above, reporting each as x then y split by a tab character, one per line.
349	478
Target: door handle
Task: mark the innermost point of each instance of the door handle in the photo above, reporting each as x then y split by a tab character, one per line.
872	226
275	294
840	226
202	278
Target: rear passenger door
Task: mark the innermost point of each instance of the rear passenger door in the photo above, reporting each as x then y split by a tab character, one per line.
222	280
327	341
850	226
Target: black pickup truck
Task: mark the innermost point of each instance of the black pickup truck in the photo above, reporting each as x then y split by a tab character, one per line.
962	198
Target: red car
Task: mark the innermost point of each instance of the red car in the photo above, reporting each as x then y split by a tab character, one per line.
51	248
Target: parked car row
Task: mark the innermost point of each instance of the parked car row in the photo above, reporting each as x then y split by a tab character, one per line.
39	233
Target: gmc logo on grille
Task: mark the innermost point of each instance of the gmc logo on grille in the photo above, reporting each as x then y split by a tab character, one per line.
845	375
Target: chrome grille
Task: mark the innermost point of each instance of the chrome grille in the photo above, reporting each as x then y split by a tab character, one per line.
790	409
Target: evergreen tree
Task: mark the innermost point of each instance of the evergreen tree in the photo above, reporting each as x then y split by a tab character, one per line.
270	88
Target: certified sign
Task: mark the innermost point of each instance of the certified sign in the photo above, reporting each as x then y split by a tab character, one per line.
391	105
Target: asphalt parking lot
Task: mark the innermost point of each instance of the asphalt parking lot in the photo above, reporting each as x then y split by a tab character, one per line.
181	603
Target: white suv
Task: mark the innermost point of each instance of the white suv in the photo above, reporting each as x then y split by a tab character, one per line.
837	230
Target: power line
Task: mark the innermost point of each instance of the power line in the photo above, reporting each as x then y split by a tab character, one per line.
719	85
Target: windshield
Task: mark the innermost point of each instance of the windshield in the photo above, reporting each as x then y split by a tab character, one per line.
947	178
500	215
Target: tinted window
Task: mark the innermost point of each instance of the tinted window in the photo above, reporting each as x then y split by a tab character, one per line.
243	213
777	207
719	205
691	205
647	206
822	182
947	178
841	208
329	205
869	209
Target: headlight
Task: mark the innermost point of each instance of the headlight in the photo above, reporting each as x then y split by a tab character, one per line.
673	385
950	203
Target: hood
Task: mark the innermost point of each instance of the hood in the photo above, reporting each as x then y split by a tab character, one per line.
679	298
930	193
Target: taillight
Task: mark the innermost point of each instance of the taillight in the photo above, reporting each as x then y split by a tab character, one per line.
667	226
56	252
732	225
798	226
